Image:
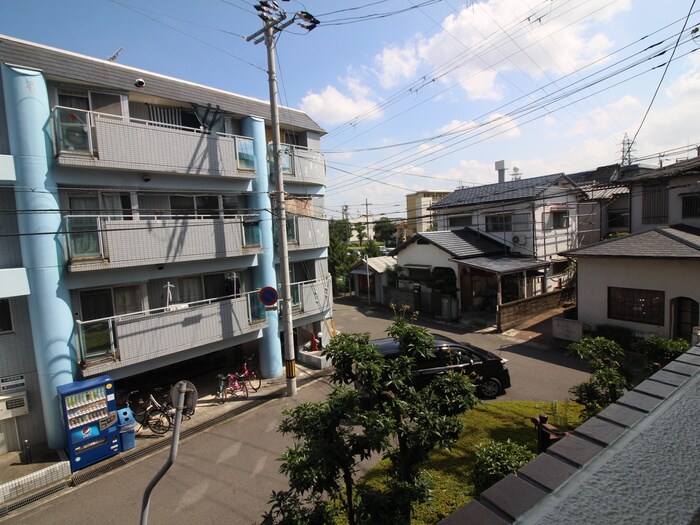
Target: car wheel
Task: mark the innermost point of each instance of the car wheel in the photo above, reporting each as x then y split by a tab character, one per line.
490	388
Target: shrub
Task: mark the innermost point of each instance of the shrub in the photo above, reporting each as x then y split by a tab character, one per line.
660	351
598	352
604	387
495	460
621	335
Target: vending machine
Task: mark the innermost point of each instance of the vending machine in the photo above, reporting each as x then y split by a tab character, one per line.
89	411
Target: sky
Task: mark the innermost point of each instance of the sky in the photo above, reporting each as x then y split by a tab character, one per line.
424	94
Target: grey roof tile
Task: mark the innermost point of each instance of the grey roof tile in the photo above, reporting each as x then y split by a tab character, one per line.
575	449
473	512
512	496
621	414
639	401
600	430
655	389
670	378
547	471
670	242
461	243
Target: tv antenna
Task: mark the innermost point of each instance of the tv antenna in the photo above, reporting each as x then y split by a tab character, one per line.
113	56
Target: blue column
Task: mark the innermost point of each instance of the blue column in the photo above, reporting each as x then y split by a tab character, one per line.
264	273
28	112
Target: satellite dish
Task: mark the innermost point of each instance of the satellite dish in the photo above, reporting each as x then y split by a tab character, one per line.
516	173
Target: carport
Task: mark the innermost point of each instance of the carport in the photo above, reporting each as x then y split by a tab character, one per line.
490	281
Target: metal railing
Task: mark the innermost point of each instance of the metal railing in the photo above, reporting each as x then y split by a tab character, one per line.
88	236
78	132
98	338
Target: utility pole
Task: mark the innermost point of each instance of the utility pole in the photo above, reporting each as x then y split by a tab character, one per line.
272	17
367	218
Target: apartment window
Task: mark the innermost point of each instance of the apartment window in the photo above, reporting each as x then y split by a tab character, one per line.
634	305
221	285
691	206
5	316
189	289
459	222
654	205
201	206
499	223
127	299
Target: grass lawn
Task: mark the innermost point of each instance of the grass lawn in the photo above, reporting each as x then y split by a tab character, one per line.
450	470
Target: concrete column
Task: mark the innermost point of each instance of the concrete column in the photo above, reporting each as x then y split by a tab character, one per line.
270	347
28	118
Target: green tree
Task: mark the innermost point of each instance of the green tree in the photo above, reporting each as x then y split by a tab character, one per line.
339	260
340	229
382	413
371	249
384	228
361	231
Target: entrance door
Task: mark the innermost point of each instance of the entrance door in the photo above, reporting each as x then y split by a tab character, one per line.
685	317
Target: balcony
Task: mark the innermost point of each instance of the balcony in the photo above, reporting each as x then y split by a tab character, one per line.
115	342
303	165
99	140
304	233
311	297
103	242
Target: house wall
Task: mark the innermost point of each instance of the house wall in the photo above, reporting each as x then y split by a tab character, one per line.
676	278
676	188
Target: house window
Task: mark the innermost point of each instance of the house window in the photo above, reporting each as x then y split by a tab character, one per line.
521	222
655	205
218	285
637	306
5	316
459	222
560	220
499	223
691	206
618	219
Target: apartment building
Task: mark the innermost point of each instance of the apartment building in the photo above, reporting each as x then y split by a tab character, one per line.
137	228
419	216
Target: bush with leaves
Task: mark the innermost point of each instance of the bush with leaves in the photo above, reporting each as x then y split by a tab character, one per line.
660	351
598	352
604	387
384	413
495	460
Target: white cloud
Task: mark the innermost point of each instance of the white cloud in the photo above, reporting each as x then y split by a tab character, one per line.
330	106
396	65
604	119
487	39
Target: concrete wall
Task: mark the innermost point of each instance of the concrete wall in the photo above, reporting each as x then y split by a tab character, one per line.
676	278
516	312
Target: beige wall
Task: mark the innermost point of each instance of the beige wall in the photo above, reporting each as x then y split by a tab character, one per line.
675	277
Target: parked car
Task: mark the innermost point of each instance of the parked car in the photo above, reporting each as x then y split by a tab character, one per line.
490	371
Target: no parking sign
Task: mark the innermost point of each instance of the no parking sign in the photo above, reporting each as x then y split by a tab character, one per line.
268	296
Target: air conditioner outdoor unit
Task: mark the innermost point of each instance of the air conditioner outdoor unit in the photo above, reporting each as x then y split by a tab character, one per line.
520	240
13	405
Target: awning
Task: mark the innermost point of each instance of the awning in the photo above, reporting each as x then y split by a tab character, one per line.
503	265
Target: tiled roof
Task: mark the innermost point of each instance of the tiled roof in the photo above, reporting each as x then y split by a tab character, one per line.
685	167
635	462
522	189
677	241
460	243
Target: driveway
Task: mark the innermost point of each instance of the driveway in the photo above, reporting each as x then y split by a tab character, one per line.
539	367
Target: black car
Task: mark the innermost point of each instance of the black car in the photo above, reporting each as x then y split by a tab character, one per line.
492	376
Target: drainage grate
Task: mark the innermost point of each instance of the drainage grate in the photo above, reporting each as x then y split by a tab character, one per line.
10	507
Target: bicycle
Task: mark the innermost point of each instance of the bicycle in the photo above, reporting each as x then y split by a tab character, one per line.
232	384
149	413
251	374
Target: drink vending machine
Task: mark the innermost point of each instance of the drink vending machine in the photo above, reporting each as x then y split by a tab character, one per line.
90	419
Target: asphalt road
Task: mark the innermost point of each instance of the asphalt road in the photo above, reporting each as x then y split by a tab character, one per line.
227	473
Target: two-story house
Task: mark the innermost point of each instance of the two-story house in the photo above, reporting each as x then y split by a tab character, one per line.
137	227
649	280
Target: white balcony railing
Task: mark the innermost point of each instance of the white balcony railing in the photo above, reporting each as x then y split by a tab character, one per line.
311	297
303	165
117	241
90	139
118	341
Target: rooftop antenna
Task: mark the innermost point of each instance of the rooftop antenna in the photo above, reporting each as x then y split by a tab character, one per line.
113	56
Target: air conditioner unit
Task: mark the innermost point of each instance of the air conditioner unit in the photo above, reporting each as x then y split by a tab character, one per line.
520	240
13	405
